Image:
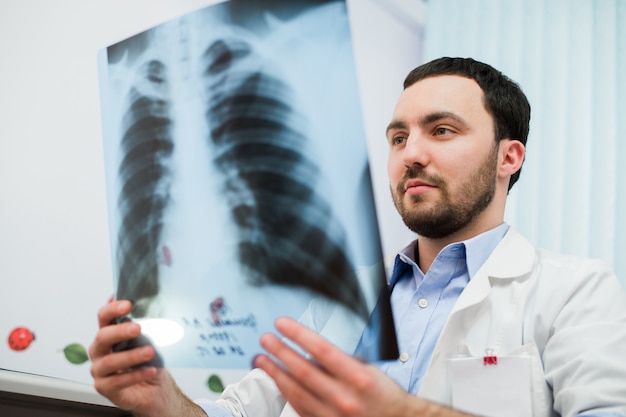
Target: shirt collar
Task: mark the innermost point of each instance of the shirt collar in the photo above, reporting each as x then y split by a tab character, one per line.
477	250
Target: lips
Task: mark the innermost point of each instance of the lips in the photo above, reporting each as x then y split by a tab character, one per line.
416	186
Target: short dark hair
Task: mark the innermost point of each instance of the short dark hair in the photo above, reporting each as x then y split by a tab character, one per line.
504	100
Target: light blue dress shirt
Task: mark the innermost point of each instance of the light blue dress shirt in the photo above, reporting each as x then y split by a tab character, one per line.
422	302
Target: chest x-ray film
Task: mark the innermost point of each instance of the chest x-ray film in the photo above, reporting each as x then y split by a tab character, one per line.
238	182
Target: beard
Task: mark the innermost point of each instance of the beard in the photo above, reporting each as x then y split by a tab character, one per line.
451	213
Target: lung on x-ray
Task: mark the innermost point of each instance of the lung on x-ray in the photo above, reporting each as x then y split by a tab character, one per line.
238	183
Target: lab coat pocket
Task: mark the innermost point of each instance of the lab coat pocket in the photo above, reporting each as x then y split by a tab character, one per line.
494	385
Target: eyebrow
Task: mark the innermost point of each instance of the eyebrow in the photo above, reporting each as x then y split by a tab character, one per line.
395	124
428	119
436	116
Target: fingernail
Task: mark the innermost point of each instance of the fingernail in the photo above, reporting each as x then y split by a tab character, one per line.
146	352
256	360
123	306
134	329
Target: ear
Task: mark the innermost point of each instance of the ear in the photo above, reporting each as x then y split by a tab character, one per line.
511	157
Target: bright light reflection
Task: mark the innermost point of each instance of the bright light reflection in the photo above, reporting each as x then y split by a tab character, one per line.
162	332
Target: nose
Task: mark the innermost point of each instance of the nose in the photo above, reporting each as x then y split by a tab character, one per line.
415	151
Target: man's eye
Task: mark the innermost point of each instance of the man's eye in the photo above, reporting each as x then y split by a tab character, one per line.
398	140
442	131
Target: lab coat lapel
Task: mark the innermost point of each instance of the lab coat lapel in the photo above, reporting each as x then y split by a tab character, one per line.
511	259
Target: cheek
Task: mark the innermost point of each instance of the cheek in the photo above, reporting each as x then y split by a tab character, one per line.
395	168
457	174
458	161
462	174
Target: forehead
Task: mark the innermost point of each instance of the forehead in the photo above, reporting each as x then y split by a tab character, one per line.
445	93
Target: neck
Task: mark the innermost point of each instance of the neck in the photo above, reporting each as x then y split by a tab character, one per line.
428	249
491	217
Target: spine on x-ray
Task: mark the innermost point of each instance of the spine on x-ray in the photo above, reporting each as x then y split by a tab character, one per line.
147	147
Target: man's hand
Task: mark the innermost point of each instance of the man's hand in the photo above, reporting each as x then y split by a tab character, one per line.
146	391
333	384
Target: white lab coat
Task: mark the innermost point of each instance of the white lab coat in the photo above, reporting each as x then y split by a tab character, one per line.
567	313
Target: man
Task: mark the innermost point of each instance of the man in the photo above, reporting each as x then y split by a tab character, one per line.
486	323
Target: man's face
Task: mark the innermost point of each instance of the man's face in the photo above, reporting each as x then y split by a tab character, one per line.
443	156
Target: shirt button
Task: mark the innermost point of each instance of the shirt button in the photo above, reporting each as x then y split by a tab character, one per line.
422	302
404	357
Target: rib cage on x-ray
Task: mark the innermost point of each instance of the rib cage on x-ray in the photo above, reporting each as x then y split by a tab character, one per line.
287	233
147	148
285	226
